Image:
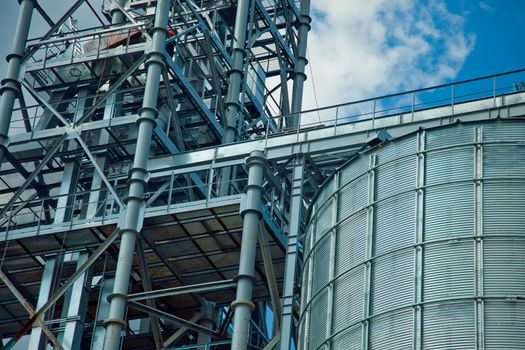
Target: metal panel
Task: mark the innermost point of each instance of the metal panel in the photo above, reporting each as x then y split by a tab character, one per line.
396	177
504	266
445	138
395	223
504	207
392	277
504	325
503	132
348	299
324	220
351	241
392	331
359	167
449	211
353	196
450	165
319	310
397	150
511	157
449	326
350	339
321	261
448	270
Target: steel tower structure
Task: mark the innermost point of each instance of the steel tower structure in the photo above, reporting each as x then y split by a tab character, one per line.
155	171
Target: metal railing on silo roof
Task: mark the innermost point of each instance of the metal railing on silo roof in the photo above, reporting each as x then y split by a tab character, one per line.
409	102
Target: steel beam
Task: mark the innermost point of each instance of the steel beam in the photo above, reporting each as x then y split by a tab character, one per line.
181	331
99	331
175	319
329	139
134	213
270	277
206	320
185	85
290	268
50	278
251	215
75	309
195	288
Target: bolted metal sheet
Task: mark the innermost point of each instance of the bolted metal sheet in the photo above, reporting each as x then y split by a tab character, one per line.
449	326
445	218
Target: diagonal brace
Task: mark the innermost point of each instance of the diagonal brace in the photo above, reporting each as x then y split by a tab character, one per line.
30	309
62	290
35	172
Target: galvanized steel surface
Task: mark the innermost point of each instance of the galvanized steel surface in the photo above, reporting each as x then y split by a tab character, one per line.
420	244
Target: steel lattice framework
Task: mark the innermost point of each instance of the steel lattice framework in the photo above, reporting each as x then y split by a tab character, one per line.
155	171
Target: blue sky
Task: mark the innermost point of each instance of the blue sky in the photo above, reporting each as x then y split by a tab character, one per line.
498	26
363	49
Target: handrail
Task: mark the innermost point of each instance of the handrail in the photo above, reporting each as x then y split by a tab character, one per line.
381	97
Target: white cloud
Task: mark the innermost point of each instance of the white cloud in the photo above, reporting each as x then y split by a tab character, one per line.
361	49
486	6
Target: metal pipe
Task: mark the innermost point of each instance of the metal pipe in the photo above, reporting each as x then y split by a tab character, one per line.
300	65
251	215
116	14
10	85
234	85
134	215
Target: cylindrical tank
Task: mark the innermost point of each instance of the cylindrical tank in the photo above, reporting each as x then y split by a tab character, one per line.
420	244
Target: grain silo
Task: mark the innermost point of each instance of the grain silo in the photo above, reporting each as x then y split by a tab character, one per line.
419	244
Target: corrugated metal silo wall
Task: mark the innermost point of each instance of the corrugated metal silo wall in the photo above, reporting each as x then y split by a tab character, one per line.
420	244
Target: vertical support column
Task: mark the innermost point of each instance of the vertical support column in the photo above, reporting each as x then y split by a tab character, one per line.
112	108
418	240
99	332
478	227
370	228
206	320
333	251
251	215
10	85
65	203
97	194
48	284
66	200
290	267
234	85
76	307
134	213
300	64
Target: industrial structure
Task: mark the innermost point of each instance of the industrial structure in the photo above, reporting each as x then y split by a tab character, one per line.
158	186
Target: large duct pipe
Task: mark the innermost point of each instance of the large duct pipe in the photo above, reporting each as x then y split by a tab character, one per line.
10	85
243	305
134	215
234	85
300	65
